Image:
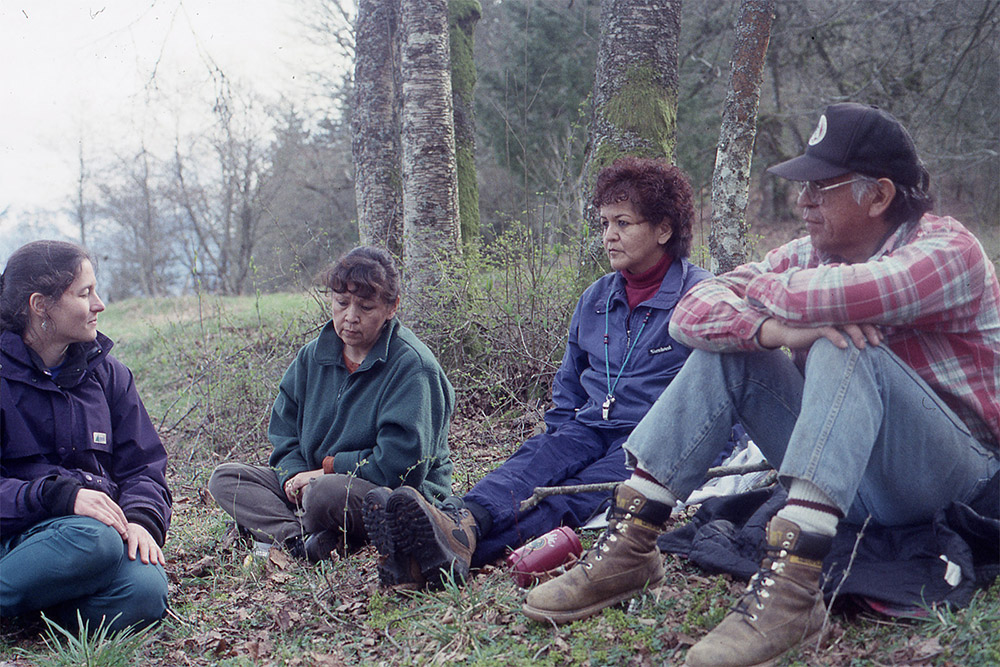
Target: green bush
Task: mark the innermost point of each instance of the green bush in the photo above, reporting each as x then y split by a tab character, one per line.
500	326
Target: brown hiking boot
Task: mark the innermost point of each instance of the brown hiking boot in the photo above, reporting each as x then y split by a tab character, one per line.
395	569
440	540
781	608
622	562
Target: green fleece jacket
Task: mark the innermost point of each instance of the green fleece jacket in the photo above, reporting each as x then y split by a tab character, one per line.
387	422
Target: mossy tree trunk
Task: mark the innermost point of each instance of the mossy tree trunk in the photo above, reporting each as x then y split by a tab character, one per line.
430	182
731	180
463	16
375	125
635	88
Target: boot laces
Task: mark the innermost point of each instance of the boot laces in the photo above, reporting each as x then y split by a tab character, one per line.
455	512
617	524
756	595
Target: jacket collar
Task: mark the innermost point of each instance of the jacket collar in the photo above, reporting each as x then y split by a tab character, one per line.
20	362
330	348
665	298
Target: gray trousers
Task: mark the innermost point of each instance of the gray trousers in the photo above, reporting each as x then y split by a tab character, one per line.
252	496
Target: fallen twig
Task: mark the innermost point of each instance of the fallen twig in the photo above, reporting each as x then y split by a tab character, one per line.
836	591
541	492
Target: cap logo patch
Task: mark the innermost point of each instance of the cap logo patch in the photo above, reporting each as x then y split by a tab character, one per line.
819	132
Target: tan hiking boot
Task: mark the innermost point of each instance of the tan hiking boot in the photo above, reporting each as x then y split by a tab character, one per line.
440	540
622	562
781	608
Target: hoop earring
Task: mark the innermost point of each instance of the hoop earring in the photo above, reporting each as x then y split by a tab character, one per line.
45	325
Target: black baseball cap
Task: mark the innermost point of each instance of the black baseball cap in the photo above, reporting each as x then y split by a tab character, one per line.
855	138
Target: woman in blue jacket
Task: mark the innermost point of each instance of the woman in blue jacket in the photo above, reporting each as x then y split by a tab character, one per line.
84	504
618	360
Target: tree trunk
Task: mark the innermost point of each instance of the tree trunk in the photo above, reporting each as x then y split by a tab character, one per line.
731	180
430	182
375	147
635	91
463	16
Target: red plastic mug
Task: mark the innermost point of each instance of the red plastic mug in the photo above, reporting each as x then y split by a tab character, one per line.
553	549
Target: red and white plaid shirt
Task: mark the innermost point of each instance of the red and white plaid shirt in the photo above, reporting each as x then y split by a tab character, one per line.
930	288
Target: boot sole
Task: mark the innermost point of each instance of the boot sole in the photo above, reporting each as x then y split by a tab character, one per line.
377	526
420	537
771	662
560	617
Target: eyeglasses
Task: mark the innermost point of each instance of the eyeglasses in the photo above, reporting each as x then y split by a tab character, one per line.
815	192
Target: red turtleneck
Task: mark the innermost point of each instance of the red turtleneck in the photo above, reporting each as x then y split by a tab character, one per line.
641	286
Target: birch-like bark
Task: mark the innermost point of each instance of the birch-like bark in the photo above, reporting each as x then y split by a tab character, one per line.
731	181
375	125
635	88
430	182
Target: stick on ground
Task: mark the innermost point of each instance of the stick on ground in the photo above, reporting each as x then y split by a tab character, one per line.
546	491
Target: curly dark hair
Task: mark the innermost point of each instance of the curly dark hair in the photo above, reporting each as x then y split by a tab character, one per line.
46	267
658	190
366	271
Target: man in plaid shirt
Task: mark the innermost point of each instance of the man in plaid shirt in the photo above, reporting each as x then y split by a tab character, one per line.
887	408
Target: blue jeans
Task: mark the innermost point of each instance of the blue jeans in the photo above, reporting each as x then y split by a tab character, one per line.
70	563
860	424
572	454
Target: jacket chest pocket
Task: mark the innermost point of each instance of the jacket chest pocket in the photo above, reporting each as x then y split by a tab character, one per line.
89	428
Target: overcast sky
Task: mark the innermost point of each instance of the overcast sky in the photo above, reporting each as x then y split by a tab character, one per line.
100	70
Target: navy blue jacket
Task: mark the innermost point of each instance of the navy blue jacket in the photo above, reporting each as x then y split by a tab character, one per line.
91	432
581	383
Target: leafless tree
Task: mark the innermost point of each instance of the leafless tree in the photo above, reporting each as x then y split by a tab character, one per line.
375	125
731	181
635	88
430	186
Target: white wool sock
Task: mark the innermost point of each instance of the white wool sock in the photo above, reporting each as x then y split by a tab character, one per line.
651	490
810	508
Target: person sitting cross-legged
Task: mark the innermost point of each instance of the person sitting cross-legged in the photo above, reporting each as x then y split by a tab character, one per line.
618	359
364	405
887	409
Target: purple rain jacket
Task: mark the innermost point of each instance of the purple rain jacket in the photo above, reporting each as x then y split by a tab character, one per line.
85	428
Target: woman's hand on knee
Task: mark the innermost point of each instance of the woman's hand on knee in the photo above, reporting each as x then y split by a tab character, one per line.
296	484
142	544
98	505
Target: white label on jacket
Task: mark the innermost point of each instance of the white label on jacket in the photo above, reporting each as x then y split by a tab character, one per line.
952	572
100	438
658	350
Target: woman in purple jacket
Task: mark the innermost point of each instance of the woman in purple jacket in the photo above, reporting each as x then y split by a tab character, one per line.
84	504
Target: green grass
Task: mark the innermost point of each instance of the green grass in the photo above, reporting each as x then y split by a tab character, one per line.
208	372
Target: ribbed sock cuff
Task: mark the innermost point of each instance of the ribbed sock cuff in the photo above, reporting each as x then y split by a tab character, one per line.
652	490
810	508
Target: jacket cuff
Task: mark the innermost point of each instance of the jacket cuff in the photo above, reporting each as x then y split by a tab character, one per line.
148	521
346	462
58	495
328	464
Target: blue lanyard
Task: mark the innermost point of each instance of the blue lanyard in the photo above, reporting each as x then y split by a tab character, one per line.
610	400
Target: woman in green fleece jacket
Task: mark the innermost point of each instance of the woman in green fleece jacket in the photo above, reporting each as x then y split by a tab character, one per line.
364	405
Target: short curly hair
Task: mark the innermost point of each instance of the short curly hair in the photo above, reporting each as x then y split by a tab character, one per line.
658	191
368	271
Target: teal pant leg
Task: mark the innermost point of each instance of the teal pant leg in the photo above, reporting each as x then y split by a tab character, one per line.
72	563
